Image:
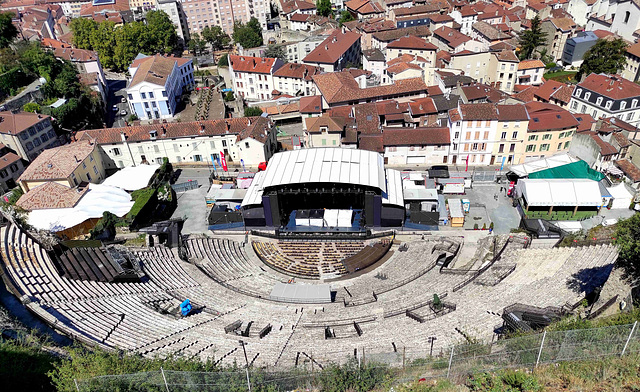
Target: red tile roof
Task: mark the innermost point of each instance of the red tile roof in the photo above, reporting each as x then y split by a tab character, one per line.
311	104
611	86
406	58
367	120
51	195
585	121
293	5
371	143
530	64
58	162
14	123
629	169
545	90
390	35
297	71
480	91
332	48
260	65
8	159
411	42
338	87
298	17
254	127
452	37
512	113
154	69
478	111
549	117
401	67
420	136
422	106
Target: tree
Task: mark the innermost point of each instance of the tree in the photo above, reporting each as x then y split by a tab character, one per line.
249	35
8	31
160	33
346	16
627	238
83	29
604	57
276	52
216	37
252	111
195	43
323	8
531	39
31	107
223	61
229	96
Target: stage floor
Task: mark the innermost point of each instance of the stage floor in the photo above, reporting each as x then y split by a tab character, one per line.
356	225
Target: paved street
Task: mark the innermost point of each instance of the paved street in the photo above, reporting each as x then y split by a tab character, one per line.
116	93
191	204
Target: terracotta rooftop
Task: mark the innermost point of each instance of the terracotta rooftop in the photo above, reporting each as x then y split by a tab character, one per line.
88	79
431	6
611	86
530	64
634	49
259	65
298	17
311	104
338	87
478	111
293	5
89	9
297	71
331	124
605	147
480	91
526	95
422	106
373	55
401	67
8	159
420	136
14	123
563	94
506	55
371	143
390	35
255	127
512	113
332	48
489	31
452	37
549	117
154	69
629	169
58	162
549	87
51	195
406	58
411	42
564	24
367	120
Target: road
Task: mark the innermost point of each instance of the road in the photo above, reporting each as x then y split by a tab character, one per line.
116	93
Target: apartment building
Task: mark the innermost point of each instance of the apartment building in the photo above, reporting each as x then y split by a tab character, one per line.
509	145
156	84
253	76
223	13
473	130
251	140
295	79
558	31
416	146
412	45
173	8
336	51
603	95
498	69
530	72
620	17
11	167
28	134
549	131
631	70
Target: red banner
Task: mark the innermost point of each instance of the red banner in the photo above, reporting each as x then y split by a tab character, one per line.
223	161
467	167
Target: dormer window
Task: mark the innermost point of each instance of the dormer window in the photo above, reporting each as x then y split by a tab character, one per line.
599	101
634	103
587	96
578	92
608	104
623	105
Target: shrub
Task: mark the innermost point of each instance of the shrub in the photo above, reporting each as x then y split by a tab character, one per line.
350	377
223	61
31	107
106	227
484	226
252	111
15	195
475	226
141	197
132	118
229	96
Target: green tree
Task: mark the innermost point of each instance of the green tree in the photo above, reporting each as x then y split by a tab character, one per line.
216	37
160	33
83	29
276	52
252	111
223	61
8	31
604	57
323	8
195	43
530	40
103	41
346	16
249	35
627	238
31	107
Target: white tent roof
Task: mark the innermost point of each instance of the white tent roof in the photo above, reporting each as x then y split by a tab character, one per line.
527	168
560	192
98	199
620	191
132	178
455	208
332	165
254	193
394	189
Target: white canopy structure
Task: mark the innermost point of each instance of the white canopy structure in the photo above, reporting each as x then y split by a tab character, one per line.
621	196
560	192
132	178
98	199
527	168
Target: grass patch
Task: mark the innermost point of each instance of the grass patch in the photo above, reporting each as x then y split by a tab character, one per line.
140	197
136	242
562	76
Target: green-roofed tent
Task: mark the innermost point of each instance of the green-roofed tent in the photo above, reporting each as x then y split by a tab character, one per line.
578	169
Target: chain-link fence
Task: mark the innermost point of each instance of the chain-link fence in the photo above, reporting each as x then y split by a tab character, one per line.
404	364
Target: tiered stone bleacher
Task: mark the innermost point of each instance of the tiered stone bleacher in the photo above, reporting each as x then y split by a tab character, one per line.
126	316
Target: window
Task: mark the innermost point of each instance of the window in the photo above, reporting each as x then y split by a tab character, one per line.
130	97
477	135
501	149
146	105
512	147
164	93
51	134
634	103
486	135
150	94
629	116
566	145
546	136
587	96
4	173
116	152
88	177
559	146
533	138
503	135
24	136
143	95
531	148
578	92
36	142
599	101
608	104
224	143
156	148
514	135
456	135
32	131
246	144
468	136
475	146
544	147
626	16
574	105
95	170
29	146
197	158
623	105
140	149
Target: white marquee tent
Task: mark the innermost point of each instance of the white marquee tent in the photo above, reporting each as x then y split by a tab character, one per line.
560	192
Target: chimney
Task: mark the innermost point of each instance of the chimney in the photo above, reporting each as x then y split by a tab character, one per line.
249	123
326	47
164	130
76	158
153	134
201	128
344	30
123	137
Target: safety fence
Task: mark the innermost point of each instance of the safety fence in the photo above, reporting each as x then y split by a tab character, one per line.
404	364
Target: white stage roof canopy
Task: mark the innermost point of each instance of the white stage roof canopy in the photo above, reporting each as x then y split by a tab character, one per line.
132	178
527	168
560	192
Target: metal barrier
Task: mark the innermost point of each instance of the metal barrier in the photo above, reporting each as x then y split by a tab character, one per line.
185	186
